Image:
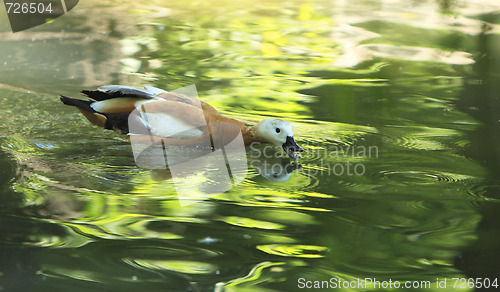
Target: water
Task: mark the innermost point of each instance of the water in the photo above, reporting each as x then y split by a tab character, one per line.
396	105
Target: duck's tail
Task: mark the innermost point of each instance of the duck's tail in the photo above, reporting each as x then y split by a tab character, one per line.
81	104
93	116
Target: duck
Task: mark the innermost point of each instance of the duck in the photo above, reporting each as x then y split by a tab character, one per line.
175	118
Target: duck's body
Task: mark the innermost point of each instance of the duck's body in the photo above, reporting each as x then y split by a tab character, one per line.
175	118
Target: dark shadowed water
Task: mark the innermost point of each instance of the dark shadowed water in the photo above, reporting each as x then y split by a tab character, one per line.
396	103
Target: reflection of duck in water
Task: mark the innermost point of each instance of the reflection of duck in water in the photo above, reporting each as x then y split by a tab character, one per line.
175	118
277	169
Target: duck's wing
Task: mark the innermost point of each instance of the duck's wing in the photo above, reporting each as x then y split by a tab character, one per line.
113	91
109	106
116	105
170	119
117	91
154	90
115	99
120	99
157	112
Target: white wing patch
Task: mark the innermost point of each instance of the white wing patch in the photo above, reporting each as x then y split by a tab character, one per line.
165	125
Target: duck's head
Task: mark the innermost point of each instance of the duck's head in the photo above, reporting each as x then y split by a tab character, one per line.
279	133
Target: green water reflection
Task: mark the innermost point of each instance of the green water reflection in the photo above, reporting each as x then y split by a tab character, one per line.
396	106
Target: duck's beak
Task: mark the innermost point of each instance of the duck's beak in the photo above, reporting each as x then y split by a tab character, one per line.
291	148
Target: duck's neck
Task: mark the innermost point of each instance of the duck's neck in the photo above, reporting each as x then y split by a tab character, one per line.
249	135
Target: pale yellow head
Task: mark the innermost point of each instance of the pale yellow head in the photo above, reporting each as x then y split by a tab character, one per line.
279	133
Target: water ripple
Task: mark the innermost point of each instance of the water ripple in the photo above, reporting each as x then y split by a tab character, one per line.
290	250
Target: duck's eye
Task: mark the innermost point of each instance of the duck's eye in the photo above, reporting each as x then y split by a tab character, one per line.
278	130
